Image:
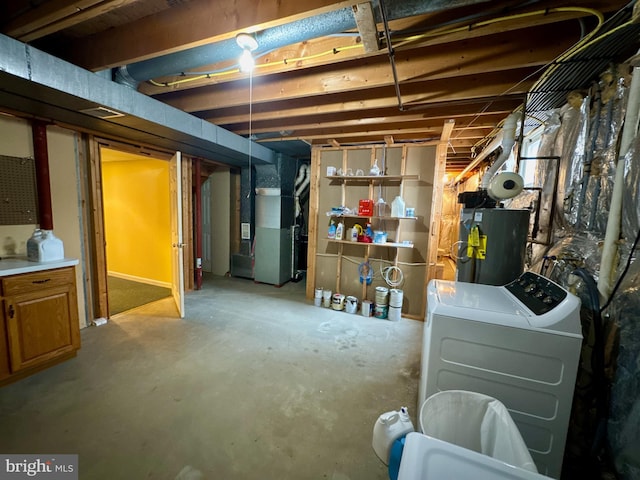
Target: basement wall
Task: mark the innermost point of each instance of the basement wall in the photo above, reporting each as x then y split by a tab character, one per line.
15	140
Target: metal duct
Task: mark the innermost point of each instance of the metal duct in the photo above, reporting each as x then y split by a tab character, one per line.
329	23
39	84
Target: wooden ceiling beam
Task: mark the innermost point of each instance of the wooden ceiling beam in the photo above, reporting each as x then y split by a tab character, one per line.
494	53
436	92
517	80
325	130
464	61
233	117
55	15
188	25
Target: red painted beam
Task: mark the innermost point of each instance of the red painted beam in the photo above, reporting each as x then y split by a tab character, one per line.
41	155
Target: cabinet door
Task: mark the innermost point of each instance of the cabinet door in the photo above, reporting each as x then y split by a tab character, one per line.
41	326
5	371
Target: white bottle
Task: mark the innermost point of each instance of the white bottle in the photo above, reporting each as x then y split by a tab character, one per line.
397	207
340	231
388	428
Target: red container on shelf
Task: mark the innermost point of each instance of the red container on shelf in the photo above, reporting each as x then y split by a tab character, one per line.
365	208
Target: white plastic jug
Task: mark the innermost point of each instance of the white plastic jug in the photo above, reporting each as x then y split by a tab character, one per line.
44	246
388	428
398	207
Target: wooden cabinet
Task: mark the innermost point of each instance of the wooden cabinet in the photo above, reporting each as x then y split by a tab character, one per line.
40	321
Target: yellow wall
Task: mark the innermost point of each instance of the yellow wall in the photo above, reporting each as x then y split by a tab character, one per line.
137	218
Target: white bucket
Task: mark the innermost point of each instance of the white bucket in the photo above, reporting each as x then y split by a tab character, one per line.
367	307
395	297
317	298
395	314
382	296
351	305
326	298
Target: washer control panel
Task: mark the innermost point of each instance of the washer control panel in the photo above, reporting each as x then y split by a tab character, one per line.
537	293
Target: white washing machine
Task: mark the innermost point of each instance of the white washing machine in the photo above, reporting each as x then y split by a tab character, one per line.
519	343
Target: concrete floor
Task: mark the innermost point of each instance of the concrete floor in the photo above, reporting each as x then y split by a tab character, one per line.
255	383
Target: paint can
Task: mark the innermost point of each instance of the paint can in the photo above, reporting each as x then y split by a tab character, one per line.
338	301
381	311
395	313
395	297
317	297
366	308
326	298
382	296
351	305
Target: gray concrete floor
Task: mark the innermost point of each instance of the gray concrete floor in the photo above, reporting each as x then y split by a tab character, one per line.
254	383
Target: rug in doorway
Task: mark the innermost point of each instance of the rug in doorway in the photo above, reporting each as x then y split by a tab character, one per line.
127	294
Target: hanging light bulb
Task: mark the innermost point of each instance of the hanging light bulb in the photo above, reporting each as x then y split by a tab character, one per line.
248	44
246	61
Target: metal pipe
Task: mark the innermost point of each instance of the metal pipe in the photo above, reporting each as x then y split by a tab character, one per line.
586	166
392	55
197	164
612	234
41	155
596	193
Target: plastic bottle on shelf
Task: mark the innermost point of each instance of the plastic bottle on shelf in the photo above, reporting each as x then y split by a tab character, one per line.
368	234
340	231
381	207
398	207
332	230
375	170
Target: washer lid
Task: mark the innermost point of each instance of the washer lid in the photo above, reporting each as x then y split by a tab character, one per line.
497	305
477	297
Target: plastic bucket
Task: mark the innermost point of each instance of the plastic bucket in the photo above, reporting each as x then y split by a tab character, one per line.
395	297
395	313
326	298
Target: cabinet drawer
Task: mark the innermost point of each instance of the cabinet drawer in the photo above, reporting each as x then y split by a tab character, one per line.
28	282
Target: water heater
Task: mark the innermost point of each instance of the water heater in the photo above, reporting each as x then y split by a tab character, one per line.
492	245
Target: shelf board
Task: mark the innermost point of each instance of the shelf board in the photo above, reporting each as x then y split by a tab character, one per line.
387	244
373	217
368	178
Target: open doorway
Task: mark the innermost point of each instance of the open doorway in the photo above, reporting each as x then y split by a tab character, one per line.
137	225
218	212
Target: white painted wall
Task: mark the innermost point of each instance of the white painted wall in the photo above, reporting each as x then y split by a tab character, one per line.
15	140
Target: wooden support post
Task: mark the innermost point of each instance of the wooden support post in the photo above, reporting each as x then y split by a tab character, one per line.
436	206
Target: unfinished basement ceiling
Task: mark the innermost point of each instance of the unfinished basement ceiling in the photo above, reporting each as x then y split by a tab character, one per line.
472	61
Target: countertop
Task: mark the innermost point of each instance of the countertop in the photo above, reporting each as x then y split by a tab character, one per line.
17	265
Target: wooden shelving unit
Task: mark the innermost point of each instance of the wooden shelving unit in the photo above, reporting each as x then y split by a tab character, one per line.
409	172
